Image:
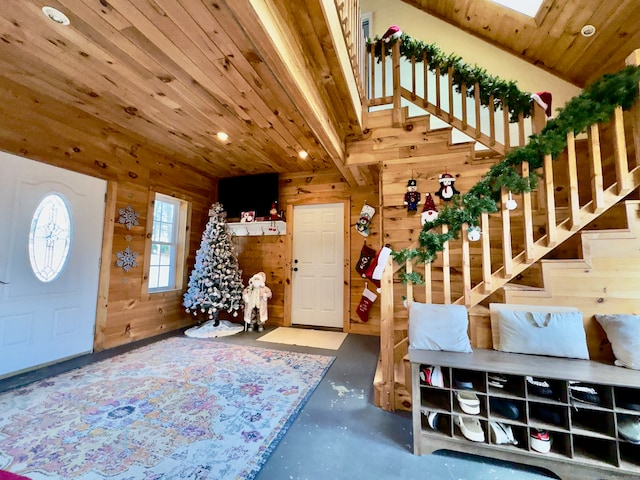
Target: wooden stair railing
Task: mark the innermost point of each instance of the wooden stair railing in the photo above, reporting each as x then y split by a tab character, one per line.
351	25
605	182
450	106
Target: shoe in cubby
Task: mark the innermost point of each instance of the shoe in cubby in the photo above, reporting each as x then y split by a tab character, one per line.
583	392
470	427
431	375
468	401
540	440
501	434
539	387
551	415
629	428
504	407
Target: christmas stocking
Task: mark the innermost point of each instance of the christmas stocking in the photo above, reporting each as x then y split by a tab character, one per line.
364	221
376	268
367	255
367	299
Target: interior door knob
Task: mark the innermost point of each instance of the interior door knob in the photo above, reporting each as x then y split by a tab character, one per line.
295	269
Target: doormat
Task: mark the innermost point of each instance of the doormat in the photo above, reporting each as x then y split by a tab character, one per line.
305	337
181	408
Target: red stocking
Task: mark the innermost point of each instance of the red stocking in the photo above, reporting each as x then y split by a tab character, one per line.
367	299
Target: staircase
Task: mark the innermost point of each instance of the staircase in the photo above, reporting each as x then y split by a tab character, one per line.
596	171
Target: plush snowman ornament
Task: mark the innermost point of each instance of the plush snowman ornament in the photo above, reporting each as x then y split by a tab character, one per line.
473	234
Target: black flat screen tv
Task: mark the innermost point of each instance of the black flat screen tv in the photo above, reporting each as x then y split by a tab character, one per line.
248	193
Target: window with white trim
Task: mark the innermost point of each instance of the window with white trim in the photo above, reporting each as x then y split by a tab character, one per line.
166	258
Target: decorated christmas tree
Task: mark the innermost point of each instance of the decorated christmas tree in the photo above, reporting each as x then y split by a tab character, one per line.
215	283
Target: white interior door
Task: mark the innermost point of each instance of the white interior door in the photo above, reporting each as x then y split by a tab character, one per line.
46	319
318	264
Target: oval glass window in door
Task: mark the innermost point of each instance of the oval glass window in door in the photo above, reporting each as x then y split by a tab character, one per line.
50	238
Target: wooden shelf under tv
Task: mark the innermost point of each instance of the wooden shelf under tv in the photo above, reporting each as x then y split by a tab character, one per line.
254	229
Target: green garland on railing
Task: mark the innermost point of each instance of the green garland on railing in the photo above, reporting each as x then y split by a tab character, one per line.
595	104
518	102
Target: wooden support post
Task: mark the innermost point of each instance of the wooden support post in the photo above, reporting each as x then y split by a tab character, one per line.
463	94
634	59
397	109
549	188
428	288
478	104
446	269
572	168
409	269
387	339
466	266
507	256
522	140
492	121
413	78
528	218
507	130
595	165
438	100
486	252
620	153
372	74
425	66
450	78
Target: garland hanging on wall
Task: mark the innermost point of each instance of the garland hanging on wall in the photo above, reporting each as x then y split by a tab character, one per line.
518	102
596	104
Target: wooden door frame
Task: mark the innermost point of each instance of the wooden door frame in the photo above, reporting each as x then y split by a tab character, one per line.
288	264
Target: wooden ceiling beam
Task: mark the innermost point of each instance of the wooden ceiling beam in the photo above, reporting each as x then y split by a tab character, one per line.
273	39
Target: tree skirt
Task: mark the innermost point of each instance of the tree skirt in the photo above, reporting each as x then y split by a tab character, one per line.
176	409
207	330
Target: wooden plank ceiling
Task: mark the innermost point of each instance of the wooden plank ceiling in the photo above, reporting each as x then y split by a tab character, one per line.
552	40
168	75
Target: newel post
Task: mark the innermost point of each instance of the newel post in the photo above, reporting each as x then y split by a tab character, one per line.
395	62
634	59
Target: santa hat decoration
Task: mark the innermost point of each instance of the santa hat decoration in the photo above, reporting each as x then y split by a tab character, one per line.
544	100
445	177
392	33
429	211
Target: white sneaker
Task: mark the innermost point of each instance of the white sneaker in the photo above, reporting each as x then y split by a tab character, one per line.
540	441
432	420
470	428
501	434
469	402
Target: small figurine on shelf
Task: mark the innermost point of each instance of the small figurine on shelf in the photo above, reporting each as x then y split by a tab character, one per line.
255	297
412	197
273	216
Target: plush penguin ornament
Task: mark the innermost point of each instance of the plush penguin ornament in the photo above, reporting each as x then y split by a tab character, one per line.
447	189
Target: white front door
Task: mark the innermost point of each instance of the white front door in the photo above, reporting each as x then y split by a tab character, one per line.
318	264
47	303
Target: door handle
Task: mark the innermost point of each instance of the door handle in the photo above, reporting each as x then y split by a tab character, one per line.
295	269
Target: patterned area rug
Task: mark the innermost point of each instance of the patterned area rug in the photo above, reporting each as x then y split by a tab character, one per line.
178	409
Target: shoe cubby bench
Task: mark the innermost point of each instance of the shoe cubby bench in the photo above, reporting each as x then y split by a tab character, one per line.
585	438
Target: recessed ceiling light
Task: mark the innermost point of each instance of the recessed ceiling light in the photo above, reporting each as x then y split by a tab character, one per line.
223	137
303	154
588	30
56	15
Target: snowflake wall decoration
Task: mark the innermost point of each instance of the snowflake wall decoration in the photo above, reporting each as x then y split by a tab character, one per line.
126	259
128	216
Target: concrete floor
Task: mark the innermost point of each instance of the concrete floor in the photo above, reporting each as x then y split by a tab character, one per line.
340	434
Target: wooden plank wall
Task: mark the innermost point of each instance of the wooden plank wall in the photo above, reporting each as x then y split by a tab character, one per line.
133	167
267	253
